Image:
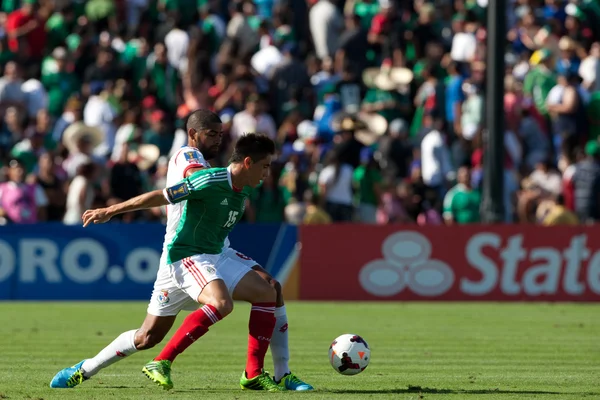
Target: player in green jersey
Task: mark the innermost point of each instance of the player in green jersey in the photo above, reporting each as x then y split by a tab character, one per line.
204	132
215	200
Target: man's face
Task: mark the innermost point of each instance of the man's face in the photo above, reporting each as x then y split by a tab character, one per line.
257	171
208	140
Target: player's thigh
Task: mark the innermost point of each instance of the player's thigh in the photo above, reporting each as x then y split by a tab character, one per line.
193	274
249	262
241	258
167	297
254	289
199	277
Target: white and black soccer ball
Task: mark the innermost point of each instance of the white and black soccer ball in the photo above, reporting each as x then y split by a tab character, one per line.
349	354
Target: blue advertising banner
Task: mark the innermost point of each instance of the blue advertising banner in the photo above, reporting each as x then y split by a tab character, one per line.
108	262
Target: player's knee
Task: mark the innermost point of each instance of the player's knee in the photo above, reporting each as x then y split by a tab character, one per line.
147	339
267	295
223	306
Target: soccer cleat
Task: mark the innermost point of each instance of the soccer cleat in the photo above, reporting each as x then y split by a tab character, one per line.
159	372
291	382
260	382
68	378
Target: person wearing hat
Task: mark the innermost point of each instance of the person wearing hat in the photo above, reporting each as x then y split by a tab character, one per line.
586	181
21	202
540	80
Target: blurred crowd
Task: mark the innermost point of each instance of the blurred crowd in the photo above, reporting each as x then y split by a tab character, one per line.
377	106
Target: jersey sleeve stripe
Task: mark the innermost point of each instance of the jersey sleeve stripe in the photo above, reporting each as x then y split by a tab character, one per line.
205	183
207	177
202	180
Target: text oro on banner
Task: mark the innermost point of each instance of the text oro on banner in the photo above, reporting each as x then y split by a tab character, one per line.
493	263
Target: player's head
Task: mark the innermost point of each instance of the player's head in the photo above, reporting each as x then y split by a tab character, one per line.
205	131
253	152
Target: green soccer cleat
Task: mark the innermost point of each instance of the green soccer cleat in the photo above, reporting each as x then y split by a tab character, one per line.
159	372
292	382
260	382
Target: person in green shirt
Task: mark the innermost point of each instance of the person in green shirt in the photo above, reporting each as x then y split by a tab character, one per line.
212	201
59	83
366	10
367	182
390	104
593	112
267	201
462	202
539	81
59	26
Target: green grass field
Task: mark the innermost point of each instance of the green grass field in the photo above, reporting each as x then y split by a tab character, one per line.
419	351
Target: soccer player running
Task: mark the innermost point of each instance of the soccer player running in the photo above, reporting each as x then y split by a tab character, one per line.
204	133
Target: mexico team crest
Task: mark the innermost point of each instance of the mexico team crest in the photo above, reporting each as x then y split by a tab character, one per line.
210	270
163	297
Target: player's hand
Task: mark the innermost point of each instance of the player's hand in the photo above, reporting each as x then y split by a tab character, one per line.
97	216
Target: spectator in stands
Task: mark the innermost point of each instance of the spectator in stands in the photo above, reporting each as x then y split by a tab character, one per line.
21	202
462	203
335	188
81	193
553	212
367	183
314	214
280	67
586	181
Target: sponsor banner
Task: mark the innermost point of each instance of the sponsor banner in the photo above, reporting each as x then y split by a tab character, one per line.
491	263
108	262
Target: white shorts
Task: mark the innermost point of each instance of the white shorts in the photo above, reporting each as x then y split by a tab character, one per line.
178	285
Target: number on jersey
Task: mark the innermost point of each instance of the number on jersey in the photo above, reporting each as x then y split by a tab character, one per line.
231	220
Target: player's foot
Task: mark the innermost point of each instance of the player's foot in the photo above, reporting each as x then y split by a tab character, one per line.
159	372
260	382
69	377
291	382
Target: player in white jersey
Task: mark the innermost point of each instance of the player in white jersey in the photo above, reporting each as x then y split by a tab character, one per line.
205	132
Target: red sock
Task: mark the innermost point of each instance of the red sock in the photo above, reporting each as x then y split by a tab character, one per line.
194	326
262	322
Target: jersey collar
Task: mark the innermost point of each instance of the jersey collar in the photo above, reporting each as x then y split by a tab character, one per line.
230	181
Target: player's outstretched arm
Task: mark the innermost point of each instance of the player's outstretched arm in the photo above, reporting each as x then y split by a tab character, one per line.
146	200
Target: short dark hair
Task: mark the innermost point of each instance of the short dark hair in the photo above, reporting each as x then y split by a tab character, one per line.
253	145
201	119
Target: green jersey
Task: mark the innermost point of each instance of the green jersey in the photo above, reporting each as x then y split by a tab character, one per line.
462	204
212	208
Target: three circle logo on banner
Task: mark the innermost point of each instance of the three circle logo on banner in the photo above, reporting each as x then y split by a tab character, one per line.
406	263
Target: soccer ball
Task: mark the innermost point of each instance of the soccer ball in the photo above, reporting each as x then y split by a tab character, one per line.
349	354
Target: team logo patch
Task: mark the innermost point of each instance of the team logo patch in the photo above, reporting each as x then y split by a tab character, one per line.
178	191
210	270
192	157
163	297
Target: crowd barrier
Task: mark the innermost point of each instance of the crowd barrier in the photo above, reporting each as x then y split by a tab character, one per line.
462	263
334	262
111	261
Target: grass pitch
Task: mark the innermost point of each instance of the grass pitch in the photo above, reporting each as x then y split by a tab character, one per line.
419	351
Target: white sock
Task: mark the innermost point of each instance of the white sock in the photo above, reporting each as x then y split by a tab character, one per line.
121	347
279	344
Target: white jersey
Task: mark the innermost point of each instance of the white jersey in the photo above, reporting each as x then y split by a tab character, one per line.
183	160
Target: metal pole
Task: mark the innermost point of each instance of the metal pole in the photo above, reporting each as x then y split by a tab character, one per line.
493	182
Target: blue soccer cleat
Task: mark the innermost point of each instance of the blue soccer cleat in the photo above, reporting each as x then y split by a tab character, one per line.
68	378
292	382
